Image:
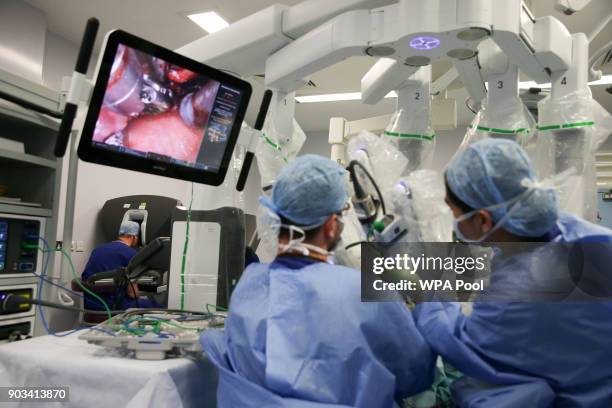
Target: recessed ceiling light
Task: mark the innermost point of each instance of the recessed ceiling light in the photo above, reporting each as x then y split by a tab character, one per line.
605	80
347	96
355	96
209	21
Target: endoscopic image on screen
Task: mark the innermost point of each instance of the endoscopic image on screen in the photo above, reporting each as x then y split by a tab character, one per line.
153	107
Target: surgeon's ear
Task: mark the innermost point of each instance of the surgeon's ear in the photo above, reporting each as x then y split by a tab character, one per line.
329	227
486	221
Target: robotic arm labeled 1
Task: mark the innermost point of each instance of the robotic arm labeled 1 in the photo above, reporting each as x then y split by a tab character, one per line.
280	139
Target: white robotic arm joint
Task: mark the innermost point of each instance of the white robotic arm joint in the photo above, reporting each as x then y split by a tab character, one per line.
570	7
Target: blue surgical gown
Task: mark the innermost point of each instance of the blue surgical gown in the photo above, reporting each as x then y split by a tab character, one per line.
518	354
108	257
298	335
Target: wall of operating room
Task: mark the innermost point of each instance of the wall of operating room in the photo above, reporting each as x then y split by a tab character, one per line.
95	184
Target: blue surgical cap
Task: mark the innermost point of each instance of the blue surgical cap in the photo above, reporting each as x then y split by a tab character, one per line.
129	228
308	190
491	172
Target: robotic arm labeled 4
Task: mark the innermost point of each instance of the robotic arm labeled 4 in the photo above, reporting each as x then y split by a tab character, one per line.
571	126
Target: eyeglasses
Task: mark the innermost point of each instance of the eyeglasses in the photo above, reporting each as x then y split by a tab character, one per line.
344	210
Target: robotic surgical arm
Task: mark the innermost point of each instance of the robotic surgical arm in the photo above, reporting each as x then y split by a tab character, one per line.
413	33
396	163
243	48
290	43
570	7
571	126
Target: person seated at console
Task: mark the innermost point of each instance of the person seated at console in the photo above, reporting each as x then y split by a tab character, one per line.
114	255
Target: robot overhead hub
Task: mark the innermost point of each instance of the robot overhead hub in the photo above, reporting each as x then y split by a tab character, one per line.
413	33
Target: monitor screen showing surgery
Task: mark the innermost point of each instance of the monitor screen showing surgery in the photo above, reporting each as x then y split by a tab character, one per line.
155	109
157	106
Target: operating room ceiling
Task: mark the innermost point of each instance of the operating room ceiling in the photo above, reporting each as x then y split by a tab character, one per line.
164	22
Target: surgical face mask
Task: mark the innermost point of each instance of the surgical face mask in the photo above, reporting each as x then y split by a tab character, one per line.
297	243
459	234
457	228
268	229
514	204
342	256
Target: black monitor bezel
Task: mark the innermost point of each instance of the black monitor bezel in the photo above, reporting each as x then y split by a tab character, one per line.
88	152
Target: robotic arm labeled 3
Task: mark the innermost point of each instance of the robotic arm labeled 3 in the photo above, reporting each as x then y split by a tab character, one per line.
502	114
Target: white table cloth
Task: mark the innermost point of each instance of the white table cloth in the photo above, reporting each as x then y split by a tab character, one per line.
100	378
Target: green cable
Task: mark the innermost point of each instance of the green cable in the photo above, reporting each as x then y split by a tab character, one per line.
179	326
218	308
76	278
156	323
184	260
138	332
78	281
160	322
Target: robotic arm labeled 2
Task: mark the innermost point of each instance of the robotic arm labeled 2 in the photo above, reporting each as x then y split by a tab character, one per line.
386	170
410	127
392	206
379	166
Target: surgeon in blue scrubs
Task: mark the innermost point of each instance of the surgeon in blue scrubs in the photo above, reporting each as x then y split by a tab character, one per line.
520	353
114	255
298	334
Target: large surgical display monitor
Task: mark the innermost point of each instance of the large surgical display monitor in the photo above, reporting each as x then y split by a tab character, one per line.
155	111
